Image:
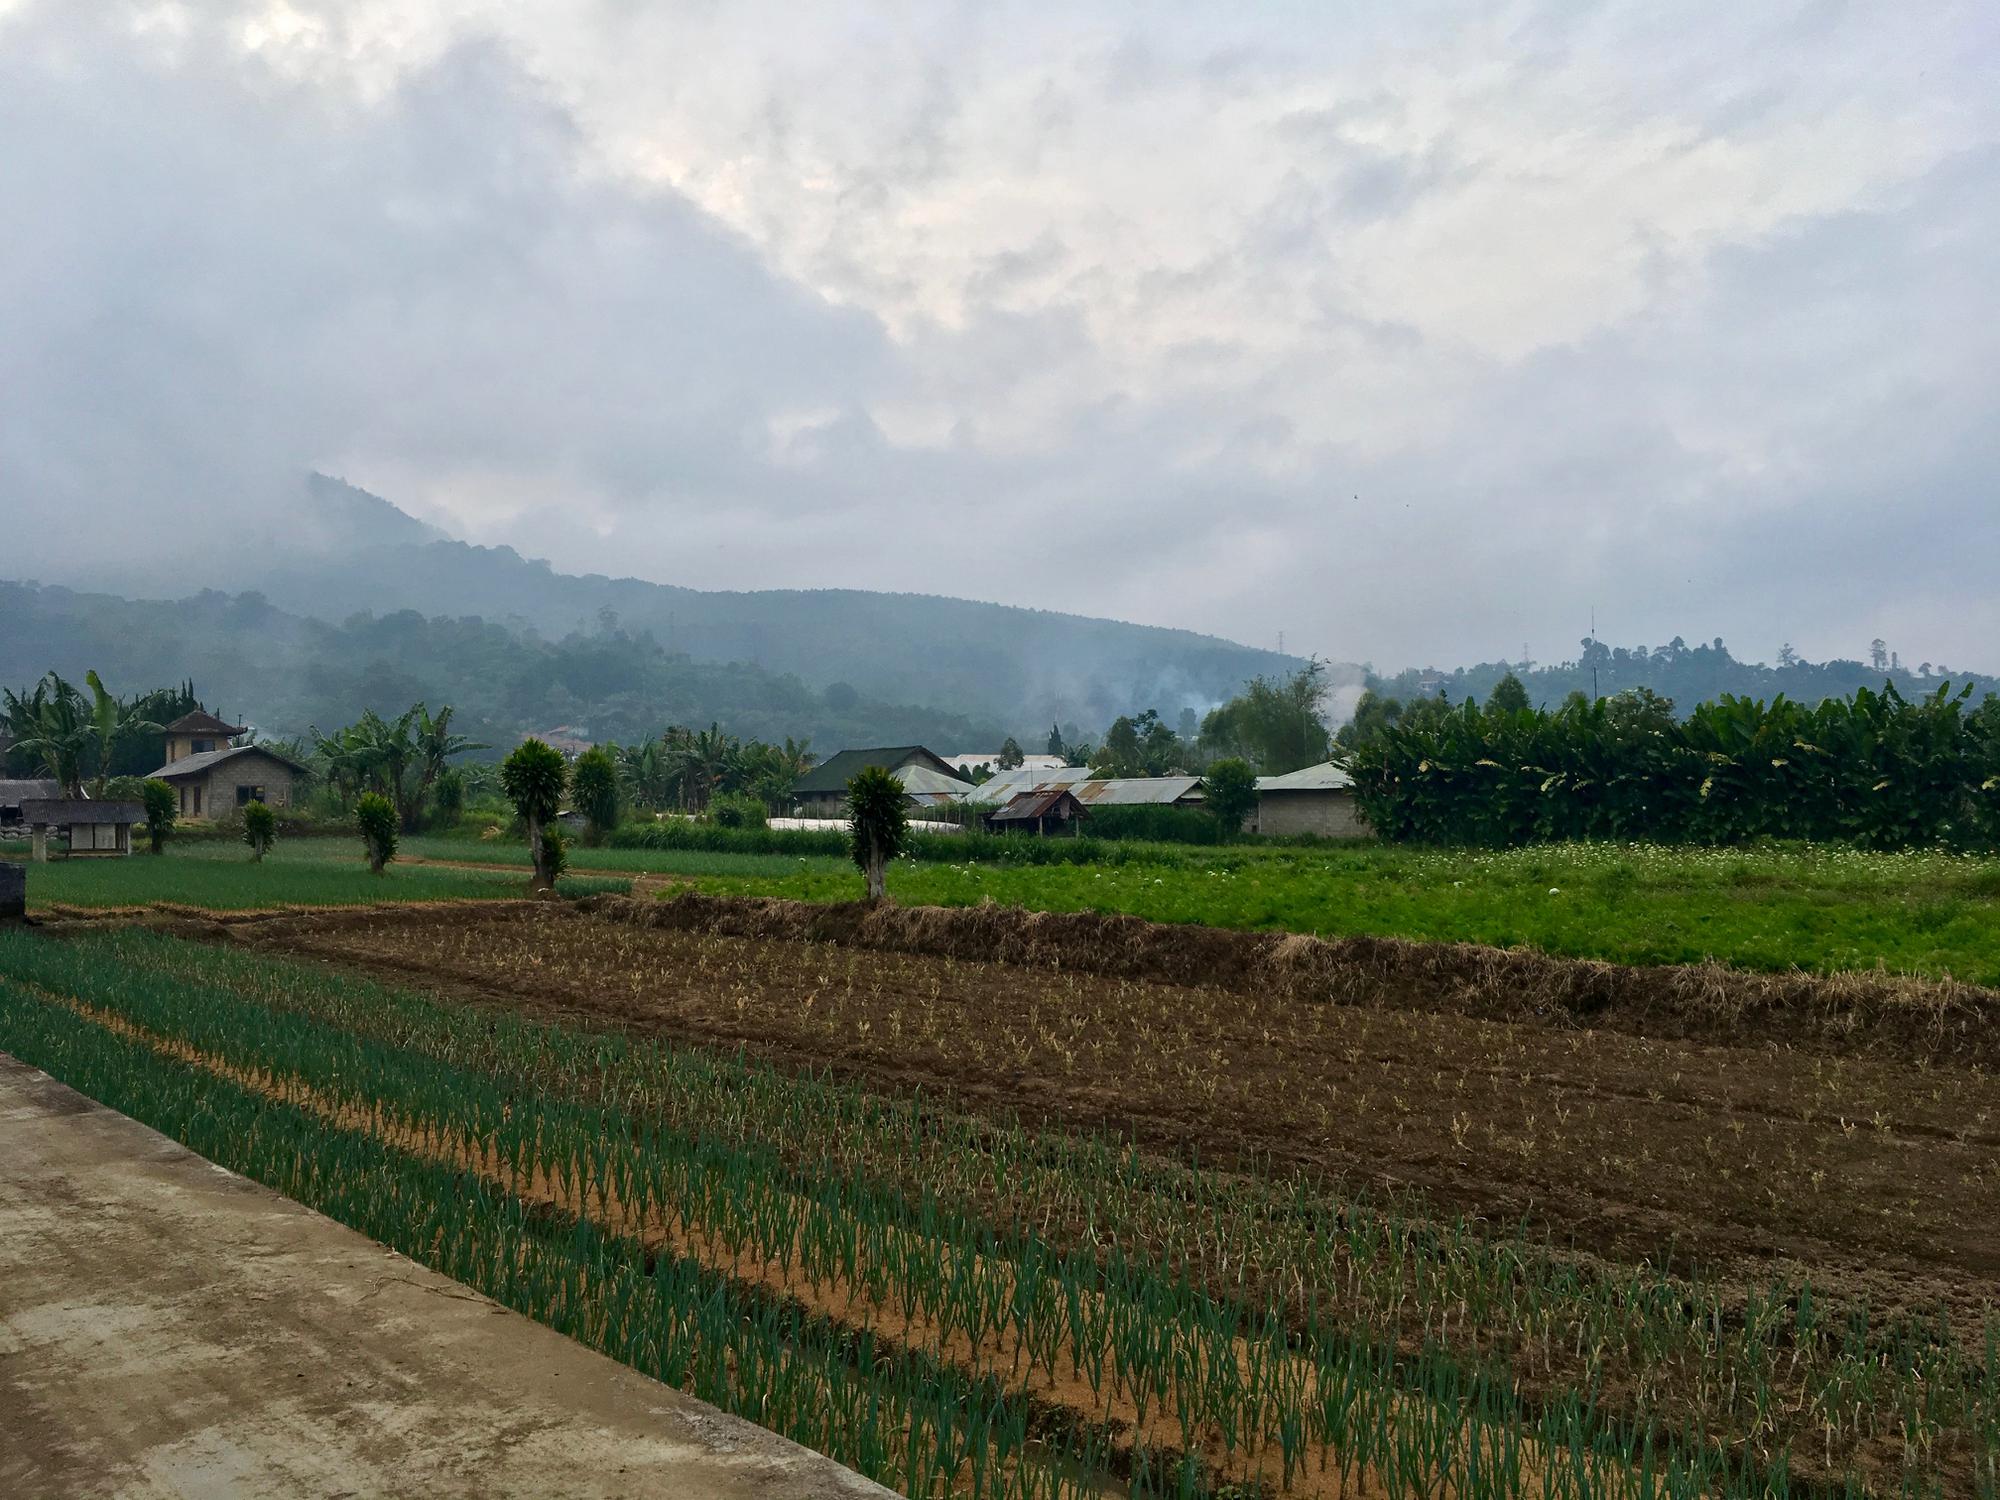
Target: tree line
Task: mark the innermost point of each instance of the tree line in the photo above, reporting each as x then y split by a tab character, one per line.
1875	768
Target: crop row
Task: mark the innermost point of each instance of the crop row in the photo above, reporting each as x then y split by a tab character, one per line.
1201	1393
637	1146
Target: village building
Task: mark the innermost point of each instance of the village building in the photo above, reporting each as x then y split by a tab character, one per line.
1050	811
1318	800
969	761
213	778
1090	791
90	827
14	793
927	779
200	733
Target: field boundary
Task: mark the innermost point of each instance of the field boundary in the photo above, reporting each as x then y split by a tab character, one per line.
1873	1014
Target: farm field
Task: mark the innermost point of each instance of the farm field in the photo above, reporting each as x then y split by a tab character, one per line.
992	1229
220	876
1823	908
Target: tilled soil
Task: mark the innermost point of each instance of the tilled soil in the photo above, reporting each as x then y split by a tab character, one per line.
1872	1176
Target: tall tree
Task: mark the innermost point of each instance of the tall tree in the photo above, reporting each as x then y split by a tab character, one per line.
1508	696
534	776
113	721
879	821
53	729
594	785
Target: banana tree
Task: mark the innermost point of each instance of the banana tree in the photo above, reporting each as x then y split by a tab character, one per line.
112	721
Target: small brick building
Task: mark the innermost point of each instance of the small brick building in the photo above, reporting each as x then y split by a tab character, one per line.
214	778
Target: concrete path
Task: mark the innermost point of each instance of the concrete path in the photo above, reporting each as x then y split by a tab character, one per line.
169	1328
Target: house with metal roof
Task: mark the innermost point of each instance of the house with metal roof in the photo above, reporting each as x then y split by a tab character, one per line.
1317	800
215	783
928	780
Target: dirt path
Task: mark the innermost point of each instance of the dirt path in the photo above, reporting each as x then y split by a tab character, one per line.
167	1328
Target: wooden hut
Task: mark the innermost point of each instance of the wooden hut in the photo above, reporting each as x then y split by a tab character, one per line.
1046	810
91	827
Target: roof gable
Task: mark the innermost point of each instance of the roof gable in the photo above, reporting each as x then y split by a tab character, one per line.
208	760
833	774
203	722
13	793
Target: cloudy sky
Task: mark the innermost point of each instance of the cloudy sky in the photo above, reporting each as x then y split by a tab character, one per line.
1413	331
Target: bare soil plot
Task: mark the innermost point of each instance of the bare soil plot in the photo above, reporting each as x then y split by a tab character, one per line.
1880	1177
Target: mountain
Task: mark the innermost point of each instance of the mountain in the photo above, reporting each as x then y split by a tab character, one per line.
346	603
1022	668
284	672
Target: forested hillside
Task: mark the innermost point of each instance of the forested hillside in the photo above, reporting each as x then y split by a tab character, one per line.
284	672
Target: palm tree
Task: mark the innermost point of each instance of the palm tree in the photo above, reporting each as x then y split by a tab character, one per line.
436	745
52	725
701	763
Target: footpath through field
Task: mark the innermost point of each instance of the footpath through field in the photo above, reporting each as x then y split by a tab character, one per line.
170	1328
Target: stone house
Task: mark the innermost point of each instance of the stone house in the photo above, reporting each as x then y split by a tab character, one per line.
218	782
1318	800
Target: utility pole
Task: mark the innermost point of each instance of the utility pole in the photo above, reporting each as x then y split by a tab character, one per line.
1593	654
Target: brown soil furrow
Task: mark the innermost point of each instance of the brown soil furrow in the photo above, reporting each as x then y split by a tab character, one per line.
1052	1385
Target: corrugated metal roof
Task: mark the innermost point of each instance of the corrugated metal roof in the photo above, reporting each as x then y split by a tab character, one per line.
998	789
919	780
196	765
13	793
833	774
1029	806
1135	791
1325	777
1119	791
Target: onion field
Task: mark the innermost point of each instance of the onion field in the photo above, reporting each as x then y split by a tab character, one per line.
954	1301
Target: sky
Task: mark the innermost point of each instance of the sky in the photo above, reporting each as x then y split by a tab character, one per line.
1414	332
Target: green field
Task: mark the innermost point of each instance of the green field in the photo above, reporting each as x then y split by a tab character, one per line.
304	872
1821	908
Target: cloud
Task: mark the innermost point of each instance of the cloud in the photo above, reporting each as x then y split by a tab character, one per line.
1411	334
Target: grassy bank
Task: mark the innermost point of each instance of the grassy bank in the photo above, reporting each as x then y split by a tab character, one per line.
1823	909
306	873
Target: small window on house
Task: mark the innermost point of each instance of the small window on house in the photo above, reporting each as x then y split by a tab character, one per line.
202	747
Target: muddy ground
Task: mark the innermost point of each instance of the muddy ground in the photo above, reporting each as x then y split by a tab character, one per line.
1873	1175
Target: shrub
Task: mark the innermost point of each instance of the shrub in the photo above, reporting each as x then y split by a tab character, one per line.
1232	793
375	816
738	812
161	802
448	797
554	854
260	829
594	787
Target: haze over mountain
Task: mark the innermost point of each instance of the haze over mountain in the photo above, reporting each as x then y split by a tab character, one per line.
1410	332
287	635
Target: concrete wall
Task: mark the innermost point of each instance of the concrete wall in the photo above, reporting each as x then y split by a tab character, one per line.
218	798
1327	815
